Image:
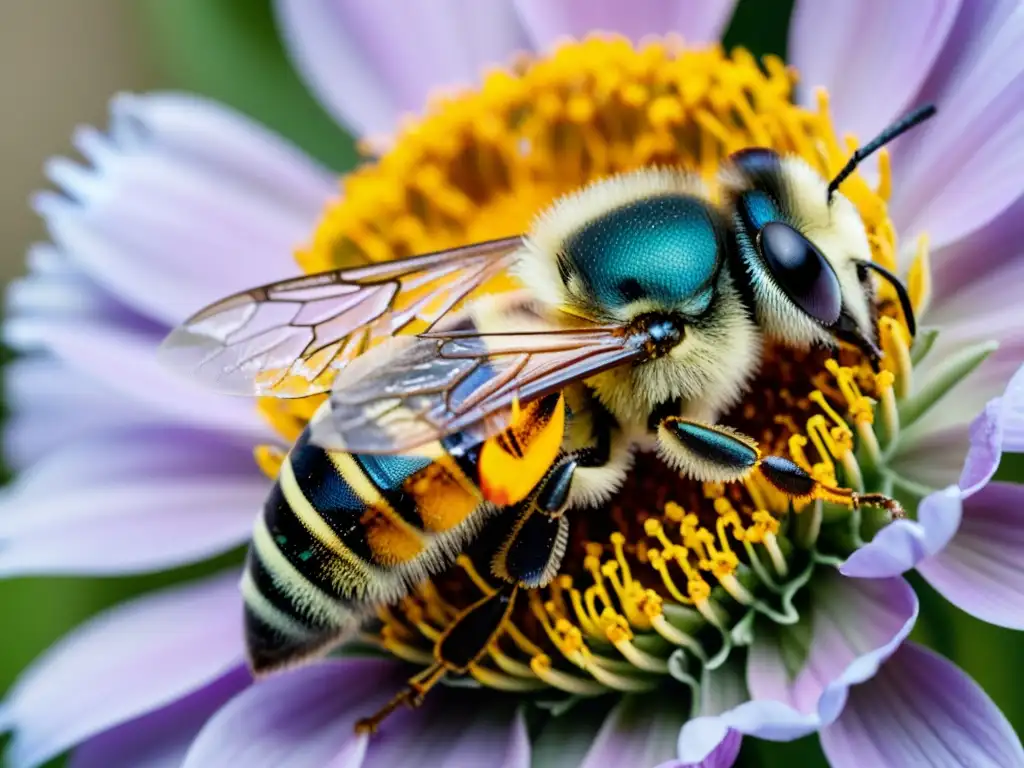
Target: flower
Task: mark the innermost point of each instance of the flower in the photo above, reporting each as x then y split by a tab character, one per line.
184	195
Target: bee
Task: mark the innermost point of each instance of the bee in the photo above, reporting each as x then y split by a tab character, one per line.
641	318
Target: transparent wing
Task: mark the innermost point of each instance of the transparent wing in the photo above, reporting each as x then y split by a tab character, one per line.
412	390
287	339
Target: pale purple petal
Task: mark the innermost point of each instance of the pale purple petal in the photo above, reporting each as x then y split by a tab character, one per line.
862	625
722	756
45	413
1013	427
335	67
963	169
698	21
171	496
871	55
902	544
986	451
62	312
370	65
638	733
962	271
850	619
920	709
160	739
459	729
982	568
302	718
305	718
181	203
126	662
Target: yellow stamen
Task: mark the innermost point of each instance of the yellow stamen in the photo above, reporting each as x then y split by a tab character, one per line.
509	665
479	582
919	279
896	345
500	682
581	686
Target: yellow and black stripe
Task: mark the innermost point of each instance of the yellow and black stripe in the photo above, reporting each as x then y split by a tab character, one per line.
334	533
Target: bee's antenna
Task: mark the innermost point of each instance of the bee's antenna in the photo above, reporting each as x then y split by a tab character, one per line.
901	293
891	132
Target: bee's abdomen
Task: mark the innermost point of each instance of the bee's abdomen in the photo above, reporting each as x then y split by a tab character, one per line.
333	530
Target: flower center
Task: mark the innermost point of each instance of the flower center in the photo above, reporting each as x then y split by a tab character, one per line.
669	567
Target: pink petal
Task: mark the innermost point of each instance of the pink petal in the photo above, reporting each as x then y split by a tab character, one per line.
186	195
636	733
871	55
921	710
126	662
160	739
982	569
369	64
963	169
698	21
171	496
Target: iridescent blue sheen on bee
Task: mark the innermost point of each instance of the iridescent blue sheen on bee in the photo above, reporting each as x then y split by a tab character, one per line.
666	249
758	209
717	446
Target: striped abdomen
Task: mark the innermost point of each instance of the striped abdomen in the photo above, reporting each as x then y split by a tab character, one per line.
341	534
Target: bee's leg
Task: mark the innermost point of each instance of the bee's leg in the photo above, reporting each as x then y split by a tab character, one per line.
528	558
461	645
533	549
711	453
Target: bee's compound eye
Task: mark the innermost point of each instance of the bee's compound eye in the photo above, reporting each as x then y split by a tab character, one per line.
799	268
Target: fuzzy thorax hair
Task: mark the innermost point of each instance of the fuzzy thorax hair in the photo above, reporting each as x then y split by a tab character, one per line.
721	347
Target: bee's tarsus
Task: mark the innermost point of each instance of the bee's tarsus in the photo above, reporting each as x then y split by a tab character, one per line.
460	646
891	505
412	696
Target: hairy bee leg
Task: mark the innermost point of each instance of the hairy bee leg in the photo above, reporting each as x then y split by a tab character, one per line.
532	552
461	645
712	453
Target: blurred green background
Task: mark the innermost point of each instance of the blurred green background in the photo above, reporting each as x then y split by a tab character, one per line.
61	60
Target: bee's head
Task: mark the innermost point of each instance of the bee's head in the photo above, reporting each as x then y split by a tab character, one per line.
646	250
803	259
